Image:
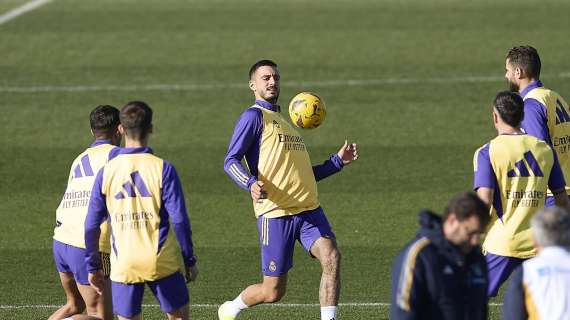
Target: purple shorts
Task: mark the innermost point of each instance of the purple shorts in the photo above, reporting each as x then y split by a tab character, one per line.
277	238
70	259
171	292
500	268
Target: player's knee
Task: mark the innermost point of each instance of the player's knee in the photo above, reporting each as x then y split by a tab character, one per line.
274	295
75	307
331	260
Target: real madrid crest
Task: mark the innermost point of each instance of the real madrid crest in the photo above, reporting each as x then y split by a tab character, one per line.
272	266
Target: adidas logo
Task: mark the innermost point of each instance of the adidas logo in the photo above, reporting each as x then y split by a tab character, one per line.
130	186
522	167
87	170
276	124
561	114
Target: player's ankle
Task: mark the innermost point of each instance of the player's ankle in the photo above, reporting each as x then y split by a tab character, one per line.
329	313
234	307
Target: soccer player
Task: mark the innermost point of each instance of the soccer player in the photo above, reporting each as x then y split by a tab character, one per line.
546	114
141	195
442	274
68	243
540	288
282	184
511	175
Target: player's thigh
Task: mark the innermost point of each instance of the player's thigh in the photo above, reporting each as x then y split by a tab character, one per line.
316	234
171	292
71	259
127	299
277	241
325	248
94	302
70	288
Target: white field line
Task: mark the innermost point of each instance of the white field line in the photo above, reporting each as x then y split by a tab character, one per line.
206	306
305	84
14	13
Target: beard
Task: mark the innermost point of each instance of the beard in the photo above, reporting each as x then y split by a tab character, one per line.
272	97
513	87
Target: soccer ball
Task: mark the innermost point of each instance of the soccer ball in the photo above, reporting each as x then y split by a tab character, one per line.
307	110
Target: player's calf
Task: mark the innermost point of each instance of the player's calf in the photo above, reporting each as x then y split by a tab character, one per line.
273	294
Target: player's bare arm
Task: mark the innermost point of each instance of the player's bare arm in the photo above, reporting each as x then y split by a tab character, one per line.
486	194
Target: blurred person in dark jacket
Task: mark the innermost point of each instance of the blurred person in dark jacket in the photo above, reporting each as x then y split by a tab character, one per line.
442	273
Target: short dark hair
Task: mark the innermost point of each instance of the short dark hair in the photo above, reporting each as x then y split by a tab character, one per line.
259	64
465	205
510	107
104	120
526	58
136	119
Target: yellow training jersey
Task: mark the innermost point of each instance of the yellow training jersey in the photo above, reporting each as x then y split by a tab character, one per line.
285	169
519	168
70	215
547	117
134	189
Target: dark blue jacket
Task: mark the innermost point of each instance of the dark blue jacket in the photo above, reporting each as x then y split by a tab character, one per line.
431	279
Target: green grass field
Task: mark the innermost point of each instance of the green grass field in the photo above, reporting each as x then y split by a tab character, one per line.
410	81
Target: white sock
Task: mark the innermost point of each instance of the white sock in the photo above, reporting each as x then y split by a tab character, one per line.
328	313
236	306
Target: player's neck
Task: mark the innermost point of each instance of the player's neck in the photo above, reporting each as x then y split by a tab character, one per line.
131	143
506	129
272	101
524	83
103	137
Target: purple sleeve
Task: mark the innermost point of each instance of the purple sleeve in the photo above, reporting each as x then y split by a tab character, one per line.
247	133
329	167
556	181
535	120
96	215
484	176
113	153
173	201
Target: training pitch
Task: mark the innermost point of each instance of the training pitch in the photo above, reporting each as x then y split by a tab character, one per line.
410	81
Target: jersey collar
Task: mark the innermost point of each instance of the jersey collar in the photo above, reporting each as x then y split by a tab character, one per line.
512	134
268	105
100	142
532	85
135	150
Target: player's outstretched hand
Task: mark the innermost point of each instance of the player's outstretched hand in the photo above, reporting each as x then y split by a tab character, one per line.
348	153
257	192
97	281
191	273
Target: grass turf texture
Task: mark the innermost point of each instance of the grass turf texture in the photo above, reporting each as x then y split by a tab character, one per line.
417	138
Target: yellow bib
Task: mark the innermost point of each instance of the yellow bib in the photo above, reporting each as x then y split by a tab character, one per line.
285	169
72	210
558	126
522	166
132	185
